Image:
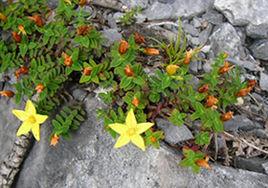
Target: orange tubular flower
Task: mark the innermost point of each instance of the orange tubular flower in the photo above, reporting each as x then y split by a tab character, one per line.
83	30
135	102
151	51
16	37
139	39
123	47
87	71
153	139
39	88
20	71
244	92
82	3
54	140
225	68
37	20
211	101
188	57
129	71
3	17
203	89
7	93
251	83
21	29
227	116
203	163
67	60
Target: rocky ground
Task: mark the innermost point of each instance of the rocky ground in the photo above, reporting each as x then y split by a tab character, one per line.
239	28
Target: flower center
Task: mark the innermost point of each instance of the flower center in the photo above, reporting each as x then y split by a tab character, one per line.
31	119
131	131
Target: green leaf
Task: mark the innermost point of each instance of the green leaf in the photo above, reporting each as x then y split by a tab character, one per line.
202	138
154	97
177	118
190	159
125	82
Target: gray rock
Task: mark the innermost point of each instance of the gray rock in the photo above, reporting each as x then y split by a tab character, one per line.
79	94
135	3
179	8
250	64
240	123
190	29
174	134
254	164
8	126
265	166
89	160
166	1
164	11
111	36
213	16
246	12
204	35
197	22
264	81
226	39
260	49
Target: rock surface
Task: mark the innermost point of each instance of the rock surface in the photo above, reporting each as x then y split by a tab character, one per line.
240	123
264	81
89	160
246	12
174	134
8	126
226	39
260	49
177	8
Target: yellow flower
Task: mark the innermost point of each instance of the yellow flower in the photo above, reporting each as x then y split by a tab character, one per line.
130	131
31	120
22	30
68	2
172	69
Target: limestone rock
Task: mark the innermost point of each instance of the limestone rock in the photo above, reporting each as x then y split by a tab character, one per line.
260	49
252	13
226	39
174	134
264	81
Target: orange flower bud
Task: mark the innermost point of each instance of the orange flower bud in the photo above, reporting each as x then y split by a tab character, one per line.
227	116
54	140
188	57
21	29
251	83
153	139
67	60
7	93
3	17
172	69
225	68
20	71
87	71
135	102
204	88
37	20
139	39
83	30
16	37
211	101
82	3
39	88
123	47
151	51
244	92
203	163
129	71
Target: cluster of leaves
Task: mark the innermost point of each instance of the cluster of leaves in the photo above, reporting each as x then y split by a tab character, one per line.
45	51
128	18
68	119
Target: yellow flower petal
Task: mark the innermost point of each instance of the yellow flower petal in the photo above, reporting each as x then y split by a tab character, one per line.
30	107
138	141
36	131
119	128
122	140
142	127
24	128
40	118
130	119
20	114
